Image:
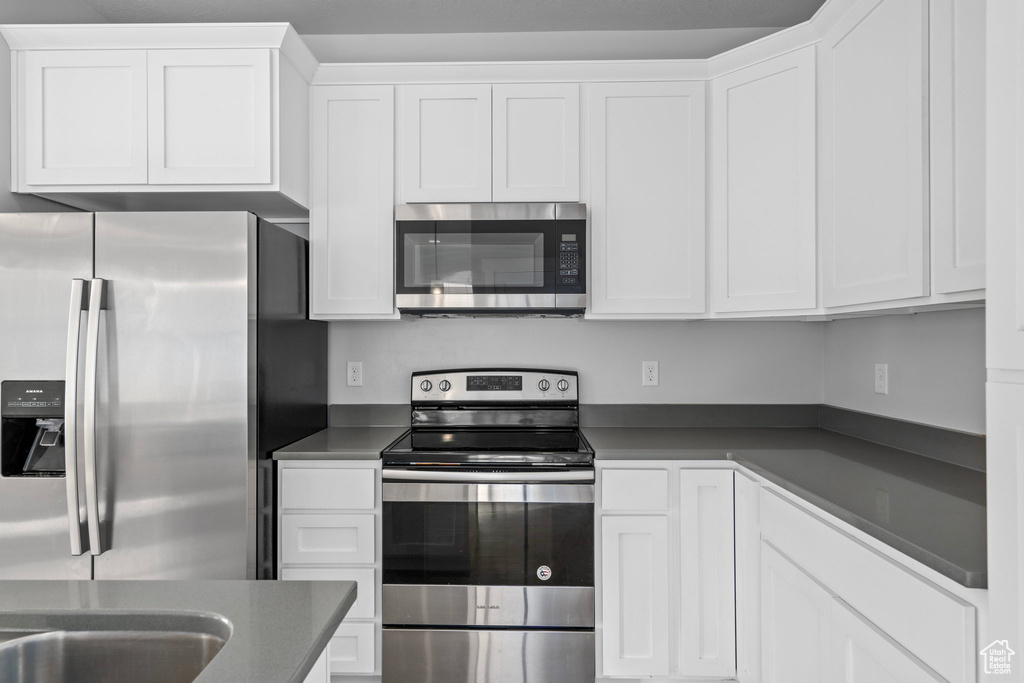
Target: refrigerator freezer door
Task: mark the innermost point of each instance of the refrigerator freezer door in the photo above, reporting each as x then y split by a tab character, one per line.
40	255
175	391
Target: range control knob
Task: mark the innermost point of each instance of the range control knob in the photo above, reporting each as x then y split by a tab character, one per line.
543	385
444	385
563	385
425	385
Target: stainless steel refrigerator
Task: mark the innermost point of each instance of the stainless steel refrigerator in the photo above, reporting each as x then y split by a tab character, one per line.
149	365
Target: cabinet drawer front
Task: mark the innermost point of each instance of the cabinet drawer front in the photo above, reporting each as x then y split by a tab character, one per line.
366	590
936	626
327	489
352	650
327	539
637	489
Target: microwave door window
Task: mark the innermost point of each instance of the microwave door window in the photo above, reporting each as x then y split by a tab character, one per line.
446	263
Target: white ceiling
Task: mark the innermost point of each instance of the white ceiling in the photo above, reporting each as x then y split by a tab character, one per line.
433	16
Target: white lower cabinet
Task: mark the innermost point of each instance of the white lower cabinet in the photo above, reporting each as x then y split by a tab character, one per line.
795	622
666	585
325	537
834	610
634	568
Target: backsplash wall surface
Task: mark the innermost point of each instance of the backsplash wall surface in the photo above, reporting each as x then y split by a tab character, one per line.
700	362
936	367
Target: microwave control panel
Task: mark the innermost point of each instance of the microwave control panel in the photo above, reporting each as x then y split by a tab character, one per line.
571	276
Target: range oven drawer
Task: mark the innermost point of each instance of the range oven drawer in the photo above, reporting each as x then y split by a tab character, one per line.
505	656
489	606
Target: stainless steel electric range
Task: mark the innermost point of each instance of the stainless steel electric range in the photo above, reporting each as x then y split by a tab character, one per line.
488	543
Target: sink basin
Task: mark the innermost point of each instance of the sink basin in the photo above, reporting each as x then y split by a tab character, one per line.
109	648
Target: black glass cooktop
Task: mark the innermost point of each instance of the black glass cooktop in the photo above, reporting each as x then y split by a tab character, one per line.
467	445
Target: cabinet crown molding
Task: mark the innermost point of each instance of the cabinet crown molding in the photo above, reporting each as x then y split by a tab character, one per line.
278	35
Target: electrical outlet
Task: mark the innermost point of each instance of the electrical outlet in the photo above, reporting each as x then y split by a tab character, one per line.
881	378
354	373
649	378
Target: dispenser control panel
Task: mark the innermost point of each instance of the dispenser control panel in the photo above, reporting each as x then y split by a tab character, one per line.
21	398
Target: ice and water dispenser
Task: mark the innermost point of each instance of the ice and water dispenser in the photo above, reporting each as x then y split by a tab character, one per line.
32	429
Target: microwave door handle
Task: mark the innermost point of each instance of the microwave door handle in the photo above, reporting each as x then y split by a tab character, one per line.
89	447
78	305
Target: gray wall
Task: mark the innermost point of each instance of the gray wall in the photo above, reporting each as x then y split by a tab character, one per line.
936	367
936	360
700	362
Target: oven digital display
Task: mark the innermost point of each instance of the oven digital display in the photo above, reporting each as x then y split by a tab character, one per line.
494	383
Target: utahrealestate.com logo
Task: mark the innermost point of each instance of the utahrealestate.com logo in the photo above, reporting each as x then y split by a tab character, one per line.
996	658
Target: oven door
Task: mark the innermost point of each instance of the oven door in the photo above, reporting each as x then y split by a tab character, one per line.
485	554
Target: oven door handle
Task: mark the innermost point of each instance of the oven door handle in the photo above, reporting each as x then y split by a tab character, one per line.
483	477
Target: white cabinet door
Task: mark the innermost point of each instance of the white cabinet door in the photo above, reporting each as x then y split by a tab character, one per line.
762	188
634	566
319	672
352	227
445	143
873	130
210	117
861	653
707	634
536	142
957	156
1004	97
85	117
647	199
795	623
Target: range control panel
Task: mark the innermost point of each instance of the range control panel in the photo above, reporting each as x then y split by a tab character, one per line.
495	386
27	398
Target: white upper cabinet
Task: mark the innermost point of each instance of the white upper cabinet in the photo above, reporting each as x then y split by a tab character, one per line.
957	131
209	117
873	136
198	117
445	143
647	205
762	186
481	143
84	117
536	138
351	227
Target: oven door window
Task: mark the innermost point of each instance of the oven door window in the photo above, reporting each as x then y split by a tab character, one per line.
488	544
484	257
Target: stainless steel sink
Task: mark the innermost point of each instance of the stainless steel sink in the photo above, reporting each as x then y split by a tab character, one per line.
158	647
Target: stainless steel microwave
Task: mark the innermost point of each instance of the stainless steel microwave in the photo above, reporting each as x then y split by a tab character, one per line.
473	259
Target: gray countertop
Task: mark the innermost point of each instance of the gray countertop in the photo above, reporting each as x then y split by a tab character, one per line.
341	443
278	628
931	510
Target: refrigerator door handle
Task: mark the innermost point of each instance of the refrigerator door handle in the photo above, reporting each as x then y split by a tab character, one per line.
78	304
92	339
